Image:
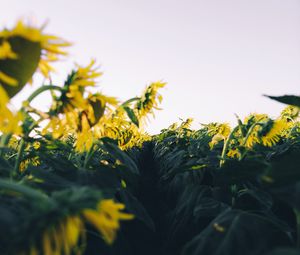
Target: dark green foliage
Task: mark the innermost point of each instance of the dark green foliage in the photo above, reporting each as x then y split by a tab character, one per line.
184	202
287	99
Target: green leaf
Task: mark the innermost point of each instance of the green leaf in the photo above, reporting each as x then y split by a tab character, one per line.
131	115
235	232
135	207
284	251
283	170
22	68
98	108
287	99
6	185
117	153
5	168
239	172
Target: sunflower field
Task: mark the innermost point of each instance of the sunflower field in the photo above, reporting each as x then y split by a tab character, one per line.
84	178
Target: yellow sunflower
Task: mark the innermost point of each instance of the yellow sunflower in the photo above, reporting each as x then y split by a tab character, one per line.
23	50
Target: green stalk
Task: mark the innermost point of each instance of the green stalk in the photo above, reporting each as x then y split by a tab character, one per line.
226	145
41	90
88	156
247	137
130	101
249	132
3	142
19	157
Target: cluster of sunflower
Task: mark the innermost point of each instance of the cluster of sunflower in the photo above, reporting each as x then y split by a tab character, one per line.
76	114
74	110
223	190
256	130
70	175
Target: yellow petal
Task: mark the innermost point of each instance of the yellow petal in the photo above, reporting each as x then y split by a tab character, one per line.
8	79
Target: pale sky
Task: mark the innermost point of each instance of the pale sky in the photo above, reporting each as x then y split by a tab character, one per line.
217	56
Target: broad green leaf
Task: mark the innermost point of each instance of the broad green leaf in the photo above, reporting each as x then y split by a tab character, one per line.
98	108
235	232
254	199
10	186
283	170
238	172
117	153
131	115
194	210
287	99
284	251
135	207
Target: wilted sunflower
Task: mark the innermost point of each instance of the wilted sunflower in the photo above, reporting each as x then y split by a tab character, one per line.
106	219
10	122
73	93
273	132
23	49
68	236
219	132
149	99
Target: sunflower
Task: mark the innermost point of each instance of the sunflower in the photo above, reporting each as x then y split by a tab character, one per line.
51	46
23	50
10	122
73	93
106	218
273	135
219	133
68	235
149	99
290	113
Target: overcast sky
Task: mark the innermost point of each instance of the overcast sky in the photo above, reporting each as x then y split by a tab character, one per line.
217	56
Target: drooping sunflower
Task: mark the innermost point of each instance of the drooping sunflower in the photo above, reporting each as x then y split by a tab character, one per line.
150	99
273	133
23	50
68	235
219	132
106	218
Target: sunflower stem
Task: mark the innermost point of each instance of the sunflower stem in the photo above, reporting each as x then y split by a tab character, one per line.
19	157
41	90
3	142
226	145
247	137
250	132
88	156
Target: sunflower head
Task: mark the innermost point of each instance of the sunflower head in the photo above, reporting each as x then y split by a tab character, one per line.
23	50
271	132
73	95
290	113
150	99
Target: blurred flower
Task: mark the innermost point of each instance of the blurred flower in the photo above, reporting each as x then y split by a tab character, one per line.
150	99
73	95
233	153
255	117
106	219
6	51
8	79
85	136
51	46
272	136
85	76
56	126
219	131
10	122
64	237
290	113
